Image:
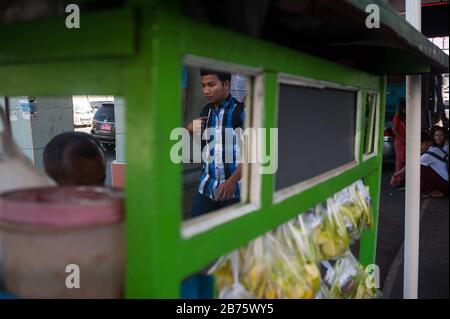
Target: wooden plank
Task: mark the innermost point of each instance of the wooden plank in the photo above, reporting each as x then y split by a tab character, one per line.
153	182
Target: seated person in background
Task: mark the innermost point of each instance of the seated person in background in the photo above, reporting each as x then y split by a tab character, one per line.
425	143
434	165
75	158
433	168
439	137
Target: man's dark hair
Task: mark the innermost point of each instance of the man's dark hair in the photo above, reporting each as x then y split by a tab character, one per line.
72	145
223	76
424	137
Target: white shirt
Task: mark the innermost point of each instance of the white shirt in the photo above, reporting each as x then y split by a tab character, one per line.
436	165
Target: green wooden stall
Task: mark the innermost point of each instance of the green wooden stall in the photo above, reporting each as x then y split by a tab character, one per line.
137	51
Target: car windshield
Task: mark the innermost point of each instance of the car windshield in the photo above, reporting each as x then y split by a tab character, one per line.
105	112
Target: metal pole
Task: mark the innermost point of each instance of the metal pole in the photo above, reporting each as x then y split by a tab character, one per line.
412	192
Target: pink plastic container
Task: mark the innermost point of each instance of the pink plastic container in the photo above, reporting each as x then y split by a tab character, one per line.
56	237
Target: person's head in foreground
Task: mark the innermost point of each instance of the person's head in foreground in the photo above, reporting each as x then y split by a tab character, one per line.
425	142
215	85
439	136
75	158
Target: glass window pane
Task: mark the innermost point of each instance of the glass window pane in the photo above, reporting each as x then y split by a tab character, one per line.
316	132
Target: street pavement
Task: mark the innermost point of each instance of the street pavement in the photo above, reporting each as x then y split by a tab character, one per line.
433	249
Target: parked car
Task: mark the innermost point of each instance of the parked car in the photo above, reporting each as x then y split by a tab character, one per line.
103	126
82	116
95	105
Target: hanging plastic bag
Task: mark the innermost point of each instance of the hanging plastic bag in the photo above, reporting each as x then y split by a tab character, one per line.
324	292
363	200
306	244
287	272
222	272
351	213
303	251
236	290
348	280
247	263
356	208
333	239
261	276
353	204
271	267
313	220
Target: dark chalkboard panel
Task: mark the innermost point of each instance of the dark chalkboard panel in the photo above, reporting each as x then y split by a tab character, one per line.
316	132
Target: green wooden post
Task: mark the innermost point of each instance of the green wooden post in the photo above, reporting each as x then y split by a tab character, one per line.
153	182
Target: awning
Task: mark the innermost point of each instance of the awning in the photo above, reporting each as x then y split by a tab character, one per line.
335	30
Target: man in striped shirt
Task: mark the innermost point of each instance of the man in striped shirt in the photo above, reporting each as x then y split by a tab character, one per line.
219	184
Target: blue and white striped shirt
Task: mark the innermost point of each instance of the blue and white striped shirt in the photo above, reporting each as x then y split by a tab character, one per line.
221	145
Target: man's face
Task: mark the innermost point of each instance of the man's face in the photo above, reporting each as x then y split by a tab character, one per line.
213	89
424	146
439	137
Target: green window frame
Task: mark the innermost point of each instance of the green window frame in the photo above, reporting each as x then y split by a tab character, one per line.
371	129
301	81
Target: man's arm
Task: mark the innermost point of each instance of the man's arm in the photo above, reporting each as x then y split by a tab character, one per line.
237	175
226	189
190	127
196	125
